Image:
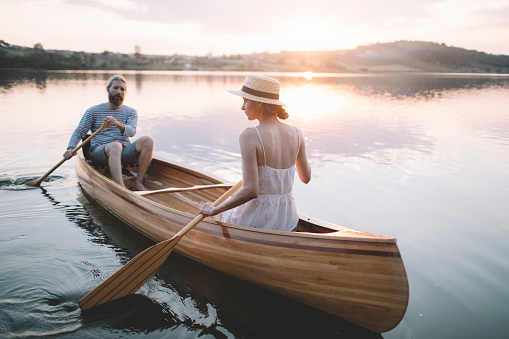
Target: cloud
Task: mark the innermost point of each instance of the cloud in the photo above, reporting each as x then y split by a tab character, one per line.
496	16
123	5
115	5
467	14
264	16
242	26
218	16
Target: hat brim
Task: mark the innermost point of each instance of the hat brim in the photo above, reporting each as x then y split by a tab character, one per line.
256	98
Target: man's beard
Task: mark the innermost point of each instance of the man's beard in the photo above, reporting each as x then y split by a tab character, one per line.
115	100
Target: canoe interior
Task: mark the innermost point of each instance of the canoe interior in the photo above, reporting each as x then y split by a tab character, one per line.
162	175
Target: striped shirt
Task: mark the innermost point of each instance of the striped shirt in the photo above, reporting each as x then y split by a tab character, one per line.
93	119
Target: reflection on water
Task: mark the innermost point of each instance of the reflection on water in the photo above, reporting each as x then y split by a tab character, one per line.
402	86
421	157
366	115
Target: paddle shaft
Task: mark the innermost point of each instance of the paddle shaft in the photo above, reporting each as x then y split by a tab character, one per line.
87	140
130	277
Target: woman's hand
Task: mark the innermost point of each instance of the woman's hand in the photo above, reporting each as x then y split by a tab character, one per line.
208	210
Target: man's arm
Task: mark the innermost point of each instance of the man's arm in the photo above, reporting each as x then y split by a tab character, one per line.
79	133
131	123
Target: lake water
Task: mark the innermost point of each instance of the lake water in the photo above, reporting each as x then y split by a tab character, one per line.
421	157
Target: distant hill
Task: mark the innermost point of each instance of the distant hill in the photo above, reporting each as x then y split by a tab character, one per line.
399	56
404	56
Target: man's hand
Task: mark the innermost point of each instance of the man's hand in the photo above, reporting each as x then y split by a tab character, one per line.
111	121
68	154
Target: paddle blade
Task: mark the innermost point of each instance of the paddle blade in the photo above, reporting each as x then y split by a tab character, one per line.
136	272
35	182
131	276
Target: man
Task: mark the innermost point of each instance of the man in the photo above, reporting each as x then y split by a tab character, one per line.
112	145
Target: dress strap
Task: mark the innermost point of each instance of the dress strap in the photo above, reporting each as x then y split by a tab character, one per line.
298	143
263	148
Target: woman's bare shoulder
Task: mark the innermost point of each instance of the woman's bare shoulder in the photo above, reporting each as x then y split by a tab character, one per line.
248	132
248	136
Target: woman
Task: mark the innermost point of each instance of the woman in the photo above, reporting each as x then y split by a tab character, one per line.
270	152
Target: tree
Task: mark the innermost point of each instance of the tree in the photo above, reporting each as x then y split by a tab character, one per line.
137	53
38	45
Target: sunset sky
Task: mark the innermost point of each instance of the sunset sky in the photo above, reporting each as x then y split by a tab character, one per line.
199	27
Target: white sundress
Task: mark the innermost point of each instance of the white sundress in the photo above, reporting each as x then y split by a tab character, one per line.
274	208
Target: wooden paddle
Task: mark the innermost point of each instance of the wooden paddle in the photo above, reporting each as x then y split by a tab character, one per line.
139	269
36	182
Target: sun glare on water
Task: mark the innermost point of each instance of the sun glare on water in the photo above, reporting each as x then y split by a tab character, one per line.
310	102
308	75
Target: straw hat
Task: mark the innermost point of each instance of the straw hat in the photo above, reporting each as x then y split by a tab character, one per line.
260	88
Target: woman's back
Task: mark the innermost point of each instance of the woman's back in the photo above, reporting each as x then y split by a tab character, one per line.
274	208
280	143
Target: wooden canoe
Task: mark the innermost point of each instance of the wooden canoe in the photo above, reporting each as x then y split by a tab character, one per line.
357	276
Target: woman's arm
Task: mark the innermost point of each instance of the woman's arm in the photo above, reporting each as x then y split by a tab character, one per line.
303	166
249	190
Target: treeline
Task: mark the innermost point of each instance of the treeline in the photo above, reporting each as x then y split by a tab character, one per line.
415	56
38	58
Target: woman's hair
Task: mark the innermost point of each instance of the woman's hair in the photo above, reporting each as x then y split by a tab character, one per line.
115	78
278	110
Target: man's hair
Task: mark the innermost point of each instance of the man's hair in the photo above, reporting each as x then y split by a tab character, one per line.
115	78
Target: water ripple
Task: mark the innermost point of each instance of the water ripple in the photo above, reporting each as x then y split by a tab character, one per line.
17	181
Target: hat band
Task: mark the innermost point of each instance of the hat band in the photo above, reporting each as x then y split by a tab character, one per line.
260	93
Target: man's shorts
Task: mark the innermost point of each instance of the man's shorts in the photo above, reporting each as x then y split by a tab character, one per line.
129	155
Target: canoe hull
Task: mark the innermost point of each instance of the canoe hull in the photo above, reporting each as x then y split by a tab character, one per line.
354	275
